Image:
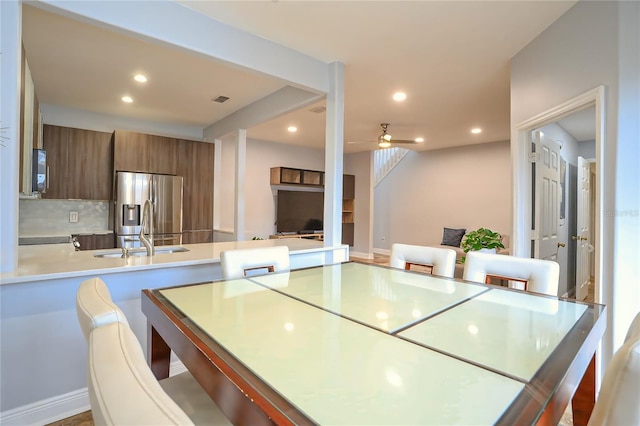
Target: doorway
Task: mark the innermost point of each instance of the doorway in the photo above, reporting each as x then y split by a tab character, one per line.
524	209
567	216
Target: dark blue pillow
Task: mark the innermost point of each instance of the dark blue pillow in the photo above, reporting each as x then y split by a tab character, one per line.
452	237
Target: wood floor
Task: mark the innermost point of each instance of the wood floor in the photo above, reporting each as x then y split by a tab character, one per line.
82	419
85	418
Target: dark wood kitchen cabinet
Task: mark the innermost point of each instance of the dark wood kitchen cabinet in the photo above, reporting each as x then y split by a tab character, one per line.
139	152
79	162
195	165
95	241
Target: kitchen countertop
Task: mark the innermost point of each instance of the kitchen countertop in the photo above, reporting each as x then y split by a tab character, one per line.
52	261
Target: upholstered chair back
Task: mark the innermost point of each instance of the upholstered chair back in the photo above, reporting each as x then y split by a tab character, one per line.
95	307
238	263
442	261
122	388
536	275
618	402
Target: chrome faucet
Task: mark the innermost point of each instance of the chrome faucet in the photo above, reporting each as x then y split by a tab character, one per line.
147	219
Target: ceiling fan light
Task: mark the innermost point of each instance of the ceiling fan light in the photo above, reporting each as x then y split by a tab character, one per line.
383	143
386	137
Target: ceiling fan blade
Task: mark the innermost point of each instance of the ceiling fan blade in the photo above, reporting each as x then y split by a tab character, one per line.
404	141
354	142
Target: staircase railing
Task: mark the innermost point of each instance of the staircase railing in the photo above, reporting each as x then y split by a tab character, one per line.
384	160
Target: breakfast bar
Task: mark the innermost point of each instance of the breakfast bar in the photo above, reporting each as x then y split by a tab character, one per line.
41	339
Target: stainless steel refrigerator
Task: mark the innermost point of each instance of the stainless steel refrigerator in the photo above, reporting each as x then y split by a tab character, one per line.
164	191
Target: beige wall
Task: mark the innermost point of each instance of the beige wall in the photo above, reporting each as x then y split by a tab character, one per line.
464	187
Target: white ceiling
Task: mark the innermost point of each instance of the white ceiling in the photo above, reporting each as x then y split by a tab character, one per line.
450	57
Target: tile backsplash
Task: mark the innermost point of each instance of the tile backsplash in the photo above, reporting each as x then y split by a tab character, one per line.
51	217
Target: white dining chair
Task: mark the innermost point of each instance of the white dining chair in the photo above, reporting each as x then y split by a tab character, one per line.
242	262
441	261
634	328
618	401
535	275
95	307
122	388
95	310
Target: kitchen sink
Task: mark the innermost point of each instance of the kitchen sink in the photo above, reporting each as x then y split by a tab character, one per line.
141	251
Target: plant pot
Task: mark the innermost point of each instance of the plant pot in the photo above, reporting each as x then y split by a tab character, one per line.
488	250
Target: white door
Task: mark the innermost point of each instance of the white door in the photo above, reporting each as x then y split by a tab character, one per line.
583	245
547	197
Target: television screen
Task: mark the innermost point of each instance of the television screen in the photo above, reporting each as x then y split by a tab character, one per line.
299	211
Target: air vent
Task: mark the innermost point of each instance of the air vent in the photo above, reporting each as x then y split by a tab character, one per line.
220	99
318	110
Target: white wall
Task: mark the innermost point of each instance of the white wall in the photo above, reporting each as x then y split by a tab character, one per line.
260	201
593	44
464	187
587	149
10	24
80	119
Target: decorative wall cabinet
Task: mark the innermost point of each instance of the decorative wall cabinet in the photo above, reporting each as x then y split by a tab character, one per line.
291	176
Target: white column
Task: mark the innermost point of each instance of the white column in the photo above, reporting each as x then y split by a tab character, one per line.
334	158
10	36
239	197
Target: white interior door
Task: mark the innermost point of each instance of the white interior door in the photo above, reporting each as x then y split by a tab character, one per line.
583	245
547	197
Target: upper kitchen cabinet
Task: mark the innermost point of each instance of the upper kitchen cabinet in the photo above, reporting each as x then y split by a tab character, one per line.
79	162
30	127
195	165
139	152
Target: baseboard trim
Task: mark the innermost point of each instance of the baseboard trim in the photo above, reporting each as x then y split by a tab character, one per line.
48	410
361	255
386	252
58	407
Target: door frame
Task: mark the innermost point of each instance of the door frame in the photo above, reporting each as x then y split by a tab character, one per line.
522	185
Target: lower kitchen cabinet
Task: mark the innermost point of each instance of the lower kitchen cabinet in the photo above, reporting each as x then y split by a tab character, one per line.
196	237
95	241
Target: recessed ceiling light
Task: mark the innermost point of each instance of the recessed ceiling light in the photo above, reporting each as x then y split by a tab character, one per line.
140	78
476	130
419	140
292	129
399	96
127	99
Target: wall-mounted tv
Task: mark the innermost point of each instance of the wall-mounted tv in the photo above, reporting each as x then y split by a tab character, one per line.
299	211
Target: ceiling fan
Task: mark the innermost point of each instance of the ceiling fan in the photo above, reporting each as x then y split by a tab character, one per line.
385	140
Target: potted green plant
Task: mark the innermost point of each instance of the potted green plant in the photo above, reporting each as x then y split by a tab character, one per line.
481	239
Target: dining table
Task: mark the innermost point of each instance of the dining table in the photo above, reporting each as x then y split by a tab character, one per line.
364	344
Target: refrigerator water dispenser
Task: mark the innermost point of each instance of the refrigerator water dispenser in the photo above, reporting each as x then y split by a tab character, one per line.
131	215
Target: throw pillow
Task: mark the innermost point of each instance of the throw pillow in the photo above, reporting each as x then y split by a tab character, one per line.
452	237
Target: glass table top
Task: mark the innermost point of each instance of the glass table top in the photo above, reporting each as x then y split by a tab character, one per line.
509	331
384	298
336	370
